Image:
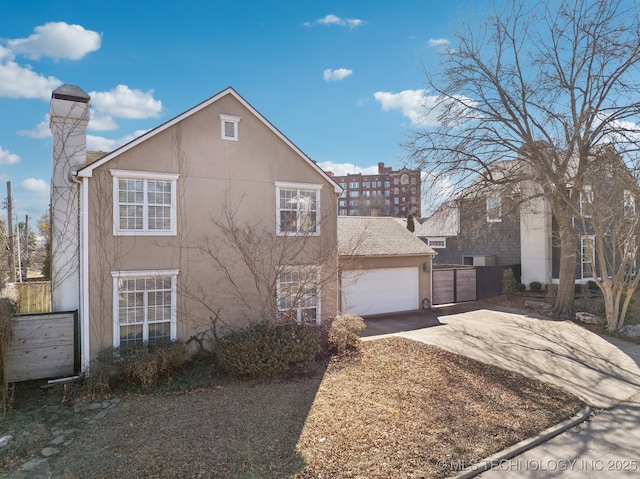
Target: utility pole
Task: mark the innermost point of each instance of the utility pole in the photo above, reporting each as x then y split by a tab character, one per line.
12	265
26	247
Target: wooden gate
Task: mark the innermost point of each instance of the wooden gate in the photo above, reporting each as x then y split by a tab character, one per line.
454	285
43	346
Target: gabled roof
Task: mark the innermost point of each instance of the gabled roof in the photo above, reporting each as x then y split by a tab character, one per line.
377	236
444	222
87	171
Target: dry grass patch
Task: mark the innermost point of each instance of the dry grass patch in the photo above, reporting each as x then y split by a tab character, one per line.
398	407
393	409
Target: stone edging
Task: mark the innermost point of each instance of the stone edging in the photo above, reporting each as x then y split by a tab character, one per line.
524	445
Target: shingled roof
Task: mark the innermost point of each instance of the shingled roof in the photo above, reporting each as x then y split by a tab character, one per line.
377	236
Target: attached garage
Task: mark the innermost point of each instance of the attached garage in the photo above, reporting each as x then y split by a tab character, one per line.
381	290
384	267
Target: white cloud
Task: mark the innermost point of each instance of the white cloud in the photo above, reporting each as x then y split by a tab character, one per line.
343	169
414	104
100	122
34	185
335	20
6	54
438	42
57	40
21	82
8	158
336	75
99	143
422	109
41	130
123	102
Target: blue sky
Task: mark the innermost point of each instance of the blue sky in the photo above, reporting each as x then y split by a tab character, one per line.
343	80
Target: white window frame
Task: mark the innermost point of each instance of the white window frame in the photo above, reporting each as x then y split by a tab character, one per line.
229	120
309	271
280	185
145	176
629	203
585	252
139	274
586	198
494	211
437	242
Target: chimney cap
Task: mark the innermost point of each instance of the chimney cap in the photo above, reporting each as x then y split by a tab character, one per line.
70	93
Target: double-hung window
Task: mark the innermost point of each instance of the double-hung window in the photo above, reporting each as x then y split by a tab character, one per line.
629	203
587	253
494	209
297	208
586	201
144	306
299	294
144	203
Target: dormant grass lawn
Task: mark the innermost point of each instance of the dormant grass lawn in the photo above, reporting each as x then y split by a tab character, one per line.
396	408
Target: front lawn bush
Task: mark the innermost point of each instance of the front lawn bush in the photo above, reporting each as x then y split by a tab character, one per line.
136	366
344	334
535	286
265	349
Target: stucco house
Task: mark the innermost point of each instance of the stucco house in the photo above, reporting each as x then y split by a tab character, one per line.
383	266
214	213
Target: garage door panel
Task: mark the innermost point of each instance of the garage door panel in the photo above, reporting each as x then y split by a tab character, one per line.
381	290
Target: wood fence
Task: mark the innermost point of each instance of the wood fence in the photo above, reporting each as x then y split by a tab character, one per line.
454	285
43	346
34	296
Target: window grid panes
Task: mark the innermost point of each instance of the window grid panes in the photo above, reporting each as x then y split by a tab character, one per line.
298	211
144	205
144	309
494	208
298	295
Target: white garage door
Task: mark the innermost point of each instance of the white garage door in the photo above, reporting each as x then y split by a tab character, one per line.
383	290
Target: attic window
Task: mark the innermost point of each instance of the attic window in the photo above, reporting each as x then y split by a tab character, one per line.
229	127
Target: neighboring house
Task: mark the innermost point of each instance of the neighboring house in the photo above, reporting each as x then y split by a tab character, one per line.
477	230
388	193
607	197
491	227
152	240
384	267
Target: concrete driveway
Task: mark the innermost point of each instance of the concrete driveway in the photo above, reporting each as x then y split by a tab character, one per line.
604	372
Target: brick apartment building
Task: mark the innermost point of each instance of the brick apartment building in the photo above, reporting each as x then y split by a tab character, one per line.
388	193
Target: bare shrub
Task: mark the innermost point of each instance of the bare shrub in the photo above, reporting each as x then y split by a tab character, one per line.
265	349
344	334
140	366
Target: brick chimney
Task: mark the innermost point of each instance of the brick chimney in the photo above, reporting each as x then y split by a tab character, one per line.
68	120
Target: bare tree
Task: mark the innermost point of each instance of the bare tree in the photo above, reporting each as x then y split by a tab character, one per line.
547	83
609	227
266	276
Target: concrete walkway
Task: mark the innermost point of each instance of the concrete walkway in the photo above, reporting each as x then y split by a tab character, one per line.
604	372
